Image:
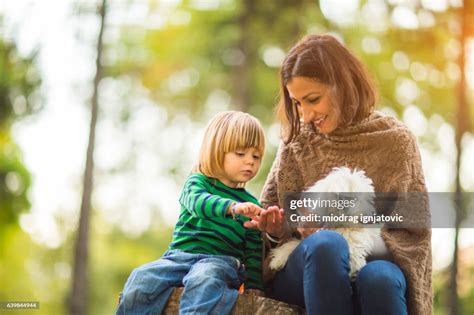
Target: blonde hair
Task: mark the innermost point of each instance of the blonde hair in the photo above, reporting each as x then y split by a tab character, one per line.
227	132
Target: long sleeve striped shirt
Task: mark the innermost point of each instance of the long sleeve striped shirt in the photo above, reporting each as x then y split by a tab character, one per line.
205	227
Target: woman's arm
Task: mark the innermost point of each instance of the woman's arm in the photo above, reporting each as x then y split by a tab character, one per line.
269	196
284	177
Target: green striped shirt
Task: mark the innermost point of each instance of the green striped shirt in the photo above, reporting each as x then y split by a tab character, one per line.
204	227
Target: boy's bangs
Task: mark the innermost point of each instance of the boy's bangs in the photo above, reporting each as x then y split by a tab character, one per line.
243	137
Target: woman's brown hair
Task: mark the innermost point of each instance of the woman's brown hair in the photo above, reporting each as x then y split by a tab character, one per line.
324	59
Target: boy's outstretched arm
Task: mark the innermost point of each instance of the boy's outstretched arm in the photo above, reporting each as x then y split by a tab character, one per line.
198	200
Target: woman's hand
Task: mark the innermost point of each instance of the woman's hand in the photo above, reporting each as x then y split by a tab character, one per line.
271	221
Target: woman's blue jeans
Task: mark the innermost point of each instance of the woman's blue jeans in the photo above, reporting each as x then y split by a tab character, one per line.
210	283
316	277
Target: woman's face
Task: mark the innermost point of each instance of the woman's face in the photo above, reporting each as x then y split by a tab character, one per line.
314	103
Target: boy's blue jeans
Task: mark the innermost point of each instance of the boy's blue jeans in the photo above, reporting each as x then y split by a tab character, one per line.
210	283
316	277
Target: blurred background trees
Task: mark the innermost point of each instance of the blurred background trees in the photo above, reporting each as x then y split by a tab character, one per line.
19	82
19	97
168	66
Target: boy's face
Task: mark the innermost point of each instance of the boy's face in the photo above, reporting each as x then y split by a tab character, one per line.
240	166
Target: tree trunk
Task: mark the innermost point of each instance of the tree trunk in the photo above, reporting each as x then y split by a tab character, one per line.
246	304
462	121
78	300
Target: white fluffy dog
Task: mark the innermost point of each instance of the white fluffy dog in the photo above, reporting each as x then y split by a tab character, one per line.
362	240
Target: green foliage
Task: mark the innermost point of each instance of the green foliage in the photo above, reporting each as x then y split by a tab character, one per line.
18	97
467	297
465	286
14	182
32	272
19	80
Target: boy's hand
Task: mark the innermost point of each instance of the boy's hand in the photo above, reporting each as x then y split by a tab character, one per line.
255	292
271	221
248	209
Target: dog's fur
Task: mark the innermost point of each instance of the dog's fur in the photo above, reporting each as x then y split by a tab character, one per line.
362	239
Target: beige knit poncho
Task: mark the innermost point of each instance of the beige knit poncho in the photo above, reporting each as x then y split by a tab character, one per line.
387	151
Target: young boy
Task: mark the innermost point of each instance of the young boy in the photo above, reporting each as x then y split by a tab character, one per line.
212	253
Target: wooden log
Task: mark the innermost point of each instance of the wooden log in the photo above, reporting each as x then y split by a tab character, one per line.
246	304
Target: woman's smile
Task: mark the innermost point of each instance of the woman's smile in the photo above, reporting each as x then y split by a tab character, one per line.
319	121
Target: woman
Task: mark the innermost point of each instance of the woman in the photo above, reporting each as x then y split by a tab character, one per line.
328	120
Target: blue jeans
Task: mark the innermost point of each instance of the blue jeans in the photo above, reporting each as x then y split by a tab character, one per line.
316	277
210	283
